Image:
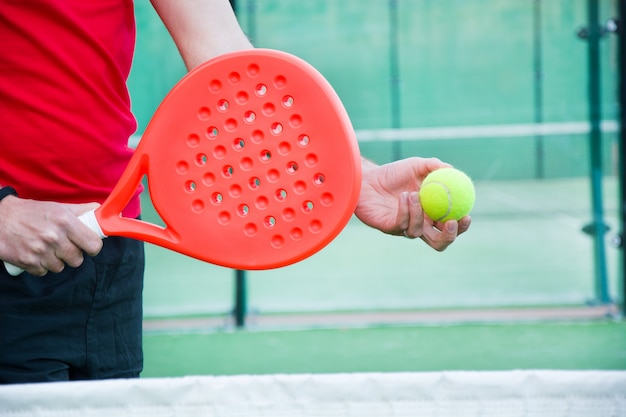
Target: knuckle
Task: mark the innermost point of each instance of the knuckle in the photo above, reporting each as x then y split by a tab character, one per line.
37	248
55	265
51	237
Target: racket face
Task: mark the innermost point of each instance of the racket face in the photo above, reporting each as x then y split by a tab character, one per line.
252	161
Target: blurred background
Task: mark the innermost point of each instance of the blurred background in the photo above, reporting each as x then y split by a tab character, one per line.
520	94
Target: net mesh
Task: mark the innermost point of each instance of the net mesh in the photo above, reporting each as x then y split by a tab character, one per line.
484	394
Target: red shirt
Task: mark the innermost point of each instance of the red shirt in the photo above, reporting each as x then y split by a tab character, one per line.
65	115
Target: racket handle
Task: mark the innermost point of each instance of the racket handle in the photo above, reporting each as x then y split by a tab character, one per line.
88	219
12	269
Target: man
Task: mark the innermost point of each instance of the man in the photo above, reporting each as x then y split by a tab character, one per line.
65	122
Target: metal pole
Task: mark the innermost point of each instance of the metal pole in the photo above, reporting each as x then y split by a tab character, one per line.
598	228
241	305
240	309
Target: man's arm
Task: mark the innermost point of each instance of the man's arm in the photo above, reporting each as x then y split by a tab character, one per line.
201	29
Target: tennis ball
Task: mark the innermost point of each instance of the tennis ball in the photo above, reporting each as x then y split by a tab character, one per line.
446	194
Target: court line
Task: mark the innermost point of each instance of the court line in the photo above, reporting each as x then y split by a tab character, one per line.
486	131
384	318
468	132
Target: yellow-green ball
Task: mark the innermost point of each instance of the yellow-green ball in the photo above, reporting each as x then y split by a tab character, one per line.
446	194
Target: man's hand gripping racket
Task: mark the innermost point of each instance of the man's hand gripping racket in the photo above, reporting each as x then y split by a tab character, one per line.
251	162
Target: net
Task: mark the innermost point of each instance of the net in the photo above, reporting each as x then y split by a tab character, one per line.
484	394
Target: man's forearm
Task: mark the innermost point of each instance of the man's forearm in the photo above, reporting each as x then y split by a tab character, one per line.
201	29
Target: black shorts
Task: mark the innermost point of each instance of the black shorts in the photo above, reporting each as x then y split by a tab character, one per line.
84	323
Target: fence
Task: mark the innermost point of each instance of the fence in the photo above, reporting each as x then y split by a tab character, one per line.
522	95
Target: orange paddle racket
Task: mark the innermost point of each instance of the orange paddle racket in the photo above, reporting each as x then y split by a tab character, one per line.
251	162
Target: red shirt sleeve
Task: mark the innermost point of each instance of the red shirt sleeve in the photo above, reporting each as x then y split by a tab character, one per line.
65	114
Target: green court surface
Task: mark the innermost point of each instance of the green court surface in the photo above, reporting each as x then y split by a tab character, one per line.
525	248
458	65
563	346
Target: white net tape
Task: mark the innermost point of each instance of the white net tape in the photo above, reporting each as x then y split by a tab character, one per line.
458	394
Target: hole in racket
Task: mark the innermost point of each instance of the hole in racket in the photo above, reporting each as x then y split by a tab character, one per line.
223	105
261	90
288	101
148	212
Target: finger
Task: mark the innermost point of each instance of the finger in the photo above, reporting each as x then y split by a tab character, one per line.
415	226
440	236
87	240
38	271
72	240
464	224
70	254
403	216
39	257
56	258
430	165
80	234
434	164
82	238
56	251
46	262
76	238
54	264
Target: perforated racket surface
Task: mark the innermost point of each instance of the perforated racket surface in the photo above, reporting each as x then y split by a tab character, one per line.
251	161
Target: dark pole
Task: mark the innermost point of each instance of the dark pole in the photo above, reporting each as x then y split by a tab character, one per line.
598	228
240	309
241	299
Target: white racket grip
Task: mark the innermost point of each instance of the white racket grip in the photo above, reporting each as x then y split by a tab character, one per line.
88	219
12	269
